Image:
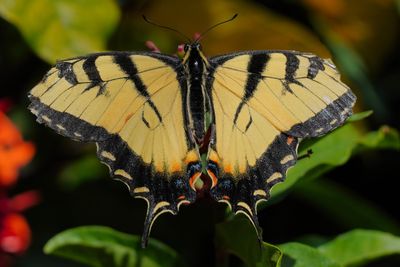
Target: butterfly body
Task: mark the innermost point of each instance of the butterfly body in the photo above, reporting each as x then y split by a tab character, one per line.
198	102
170	128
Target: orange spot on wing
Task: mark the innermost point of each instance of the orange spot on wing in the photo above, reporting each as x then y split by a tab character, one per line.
289	140
228	168
175	167
242	169
181	197
213	156
214	179
159	166
128	117
226	197
191	157
193	178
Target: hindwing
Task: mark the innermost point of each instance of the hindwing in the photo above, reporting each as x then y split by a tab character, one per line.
264	103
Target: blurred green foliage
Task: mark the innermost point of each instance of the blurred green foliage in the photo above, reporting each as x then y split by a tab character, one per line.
300	255
354	248
335	149
61	29
99	246
344	207
362	37
360	246
238	237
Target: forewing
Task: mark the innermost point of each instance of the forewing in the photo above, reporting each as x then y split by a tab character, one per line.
130	104
264	102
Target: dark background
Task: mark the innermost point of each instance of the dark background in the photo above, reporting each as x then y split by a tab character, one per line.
98	200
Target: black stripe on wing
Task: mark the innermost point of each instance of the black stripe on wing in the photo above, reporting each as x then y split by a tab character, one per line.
89	66
255	68
329	118
292	64
127	65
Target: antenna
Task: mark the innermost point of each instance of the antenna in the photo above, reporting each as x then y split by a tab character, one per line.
166	27
212	27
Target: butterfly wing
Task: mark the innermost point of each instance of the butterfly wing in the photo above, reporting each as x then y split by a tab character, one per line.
130	104
264	102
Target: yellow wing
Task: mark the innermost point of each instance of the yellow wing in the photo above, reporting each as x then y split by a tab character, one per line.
264	101
130	104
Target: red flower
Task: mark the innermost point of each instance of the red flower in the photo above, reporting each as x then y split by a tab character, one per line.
5	104
14	152
15	234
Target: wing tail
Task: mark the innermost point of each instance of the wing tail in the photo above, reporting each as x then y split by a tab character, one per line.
242	197
244	191
163	193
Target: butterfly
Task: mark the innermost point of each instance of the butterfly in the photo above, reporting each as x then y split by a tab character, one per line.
171	127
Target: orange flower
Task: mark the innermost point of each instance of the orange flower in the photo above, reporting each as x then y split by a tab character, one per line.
14	151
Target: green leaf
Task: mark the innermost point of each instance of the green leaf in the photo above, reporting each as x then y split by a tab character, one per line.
336	149
361	246
384	138
238	237
300	255
360	116
62	28
345	207
84	169
100	246
332	150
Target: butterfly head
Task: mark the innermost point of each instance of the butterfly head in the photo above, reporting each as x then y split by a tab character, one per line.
195	46
194	51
